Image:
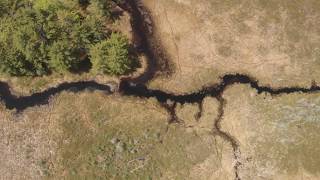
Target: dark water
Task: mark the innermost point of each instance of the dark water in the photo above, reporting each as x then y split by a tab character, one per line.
20	103
127	88
141	90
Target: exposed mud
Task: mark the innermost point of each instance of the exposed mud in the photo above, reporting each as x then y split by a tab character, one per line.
144	41
136	87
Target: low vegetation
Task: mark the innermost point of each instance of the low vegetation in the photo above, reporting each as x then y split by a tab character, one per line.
279	134
38	37
104	137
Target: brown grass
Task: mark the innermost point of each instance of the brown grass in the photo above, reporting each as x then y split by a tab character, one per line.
275	41
92	136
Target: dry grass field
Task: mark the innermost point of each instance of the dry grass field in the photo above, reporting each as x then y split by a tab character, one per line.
91	135
277	42
278	136
94	136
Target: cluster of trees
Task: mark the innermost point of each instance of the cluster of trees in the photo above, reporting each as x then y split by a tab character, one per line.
42	36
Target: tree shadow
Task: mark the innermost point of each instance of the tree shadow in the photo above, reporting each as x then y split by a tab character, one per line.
84	66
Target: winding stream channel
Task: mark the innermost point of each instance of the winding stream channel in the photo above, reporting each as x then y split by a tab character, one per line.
136	86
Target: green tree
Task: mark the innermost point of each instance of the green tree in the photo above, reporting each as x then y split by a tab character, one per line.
61	58
111	56
41	36
99	8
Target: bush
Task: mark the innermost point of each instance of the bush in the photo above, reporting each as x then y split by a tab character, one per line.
111	56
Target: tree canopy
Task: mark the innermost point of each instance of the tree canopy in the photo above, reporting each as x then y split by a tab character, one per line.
110	56
42	36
